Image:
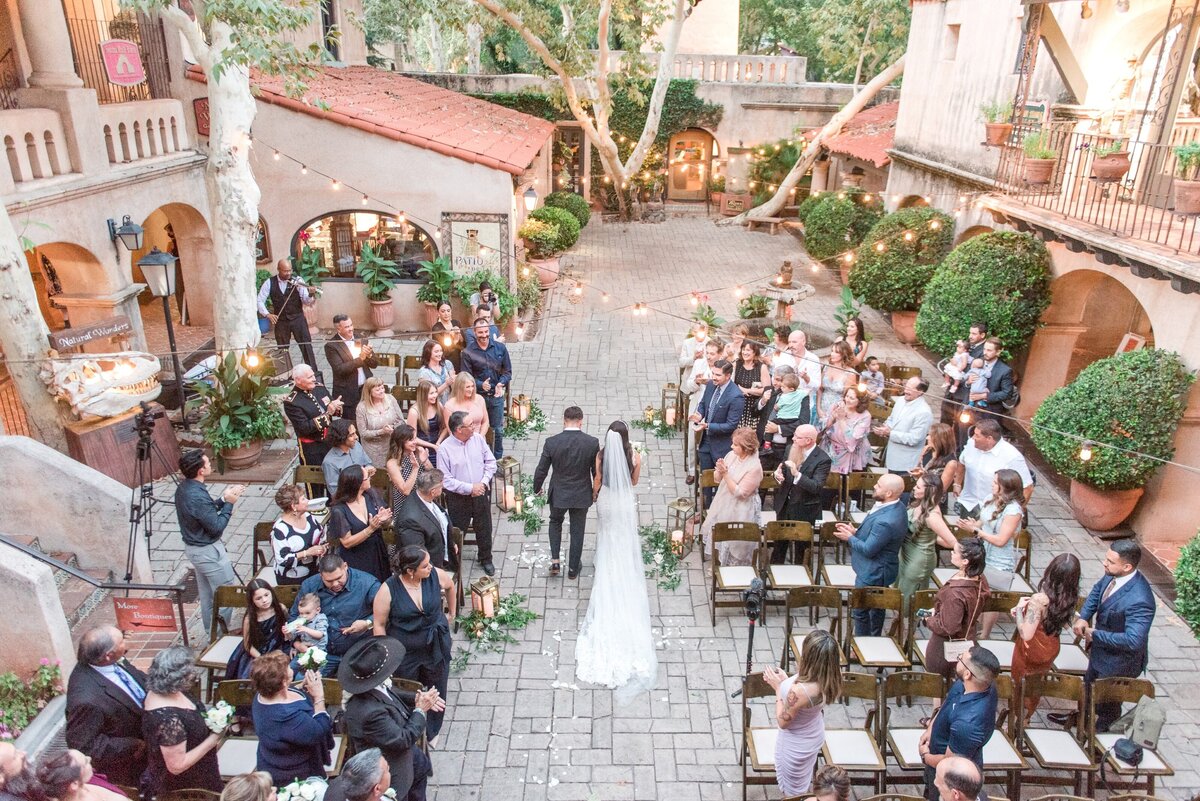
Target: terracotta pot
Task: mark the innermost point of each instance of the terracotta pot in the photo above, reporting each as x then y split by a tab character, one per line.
310	317
844	271
244	457
997	133
716	198
547	271
383	314
1187	196
1102	510
431	314
904	323
1111	167
1039	171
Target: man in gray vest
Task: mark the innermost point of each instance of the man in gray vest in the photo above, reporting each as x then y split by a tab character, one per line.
288	295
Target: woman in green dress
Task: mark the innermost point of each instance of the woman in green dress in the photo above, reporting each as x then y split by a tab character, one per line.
927	529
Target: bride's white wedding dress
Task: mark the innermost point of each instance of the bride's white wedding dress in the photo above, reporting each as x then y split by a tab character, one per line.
615	646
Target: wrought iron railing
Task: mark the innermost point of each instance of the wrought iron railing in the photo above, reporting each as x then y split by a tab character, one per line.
141	29
1138	203
10	79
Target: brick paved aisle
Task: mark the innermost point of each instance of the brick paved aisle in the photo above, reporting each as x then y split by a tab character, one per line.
519	726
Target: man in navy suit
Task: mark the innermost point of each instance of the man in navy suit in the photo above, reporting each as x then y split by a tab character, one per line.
717	416
1122	605
875	549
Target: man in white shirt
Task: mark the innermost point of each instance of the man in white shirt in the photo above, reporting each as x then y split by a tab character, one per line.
806	364
907	427
693	346
984	454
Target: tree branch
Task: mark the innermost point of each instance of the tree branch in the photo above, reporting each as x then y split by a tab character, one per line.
603	95
666	68
191	31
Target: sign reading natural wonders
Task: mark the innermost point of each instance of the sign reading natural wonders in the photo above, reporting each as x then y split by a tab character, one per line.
74	337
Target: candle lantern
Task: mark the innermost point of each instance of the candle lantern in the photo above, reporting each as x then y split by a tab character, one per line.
519	407
672	410
485	595
680	527
506	484
650	413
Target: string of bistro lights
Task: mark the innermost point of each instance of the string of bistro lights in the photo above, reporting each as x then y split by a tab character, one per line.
1088	446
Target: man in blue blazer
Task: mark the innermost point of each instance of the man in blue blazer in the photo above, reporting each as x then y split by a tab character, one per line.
1122	605
875	549
717	416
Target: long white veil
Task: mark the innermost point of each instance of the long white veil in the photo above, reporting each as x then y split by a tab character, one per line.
616	646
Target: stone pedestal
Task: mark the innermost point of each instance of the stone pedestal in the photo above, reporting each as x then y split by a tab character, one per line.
87	309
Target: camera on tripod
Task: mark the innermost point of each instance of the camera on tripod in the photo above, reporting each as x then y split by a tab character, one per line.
753	597
143	421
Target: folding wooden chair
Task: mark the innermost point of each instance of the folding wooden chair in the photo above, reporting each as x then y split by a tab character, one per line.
708	480
410	363
896	376
222	643
286	594
901	740
309	475
1003	647
814	599
391	360
876	652
836	483
235	692
734	579
1125	691
833	574
405	395
262	554
1000	753
916	637
757	756
857	750
1024	545
1057	749
381	482
786	577
857	487
1071	656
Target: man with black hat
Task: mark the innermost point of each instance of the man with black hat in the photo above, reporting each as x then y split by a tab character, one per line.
378	716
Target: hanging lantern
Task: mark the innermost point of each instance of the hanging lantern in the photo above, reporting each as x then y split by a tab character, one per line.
671	411
680	526
519	407
485	595
506	484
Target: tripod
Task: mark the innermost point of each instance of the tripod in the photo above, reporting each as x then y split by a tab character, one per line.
142	500
753	598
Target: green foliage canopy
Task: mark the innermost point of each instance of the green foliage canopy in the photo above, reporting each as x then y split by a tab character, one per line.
839	221
895	279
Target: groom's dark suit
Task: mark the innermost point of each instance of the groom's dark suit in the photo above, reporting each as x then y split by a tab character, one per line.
571	455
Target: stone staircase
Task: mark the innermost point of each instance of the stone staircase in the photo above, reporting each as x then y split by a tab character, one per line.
79	598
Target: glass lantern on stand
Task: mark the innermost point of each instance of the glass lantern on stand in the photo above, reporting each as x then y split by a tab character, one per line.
519	407
485	595
506	485
680	525
672	410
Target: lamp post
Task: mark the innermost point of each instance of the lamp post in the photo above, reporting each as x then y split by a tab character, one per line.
158	269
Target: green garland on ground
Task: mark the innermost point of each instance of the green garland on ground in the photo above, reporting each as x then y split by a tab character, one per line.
492	633
519	429
530	516
657	425
662	563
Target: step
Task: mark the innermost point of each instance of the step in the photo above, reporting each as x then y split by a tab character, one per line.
79	598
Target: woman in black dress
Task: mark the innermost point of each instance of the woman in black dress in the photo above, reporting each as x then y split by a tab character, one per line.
751	374
262	629
406	460
356	517
408	607
447	332
181	752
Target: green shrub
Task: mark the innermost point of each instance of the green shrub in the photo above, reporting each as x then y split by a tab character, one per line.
468	285
895	279
838	222
21	700
754	306
1132	401
808	204
573	203
1000	278
568	226
529	292
1187	584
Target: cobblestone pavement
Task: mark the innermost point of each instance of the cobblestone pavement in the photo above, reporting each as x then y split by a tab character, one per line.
519	726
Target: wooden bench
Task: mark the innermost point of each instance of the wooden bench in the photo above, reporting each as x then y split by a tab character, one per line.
771	223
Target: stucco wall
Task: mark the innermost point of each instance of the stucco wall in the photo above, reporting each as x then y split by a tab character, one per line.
35	625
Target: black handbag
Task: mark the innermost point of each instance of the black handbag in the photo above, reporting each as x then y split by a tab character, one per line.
1128	751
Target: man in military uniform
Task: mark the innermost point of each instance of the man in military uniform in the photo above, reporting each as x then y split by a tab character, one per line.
310	411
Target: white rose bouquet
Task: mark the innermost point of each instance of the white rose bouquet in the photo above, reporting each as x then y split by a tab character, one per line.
640	447
310	789
218	717
312	659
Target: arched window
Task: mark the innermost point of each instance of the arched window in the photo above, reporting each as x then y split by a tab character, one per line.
341	235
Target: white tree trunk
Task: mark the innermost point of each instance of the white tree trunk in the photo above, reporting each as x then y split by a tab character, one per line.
437	52
857	103
23	338
474	48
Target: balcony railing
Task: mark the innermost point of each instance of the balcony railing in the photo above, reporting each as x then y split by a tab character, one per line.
10	80
727	69
146	32
1137	204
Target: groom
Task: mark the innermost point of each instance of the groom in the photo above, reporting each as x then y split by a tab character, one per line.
572	455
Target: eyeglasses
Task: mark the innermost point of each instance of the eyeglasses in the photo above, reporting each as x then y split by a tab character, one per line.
971	668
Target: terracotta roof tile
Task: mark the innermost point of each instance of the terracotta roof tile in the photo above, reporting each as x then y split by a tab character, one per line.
868	135
414	112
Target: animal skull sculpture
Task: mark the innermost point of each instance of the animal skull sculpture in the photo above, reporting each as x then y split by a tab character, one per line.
102	384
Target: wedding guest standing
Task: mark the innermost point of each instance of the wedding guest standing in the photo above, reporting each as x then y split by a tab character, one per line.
310	410
464	398
693	386
801	478
906	428
1040	620
469	466
436	369
356	517
406	461
717	416
350	360
296	538
845	435
448	332
927	530
693	346
295	733
377	416
940	456
181	752
202	523
738	476
957	605
856	337
425	417
489	364
875	549
835	378
998	524
422	522
754	378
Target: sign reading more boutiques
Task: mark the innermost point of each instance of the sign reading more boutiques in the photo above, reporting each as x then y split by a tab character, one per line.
122	62
145	614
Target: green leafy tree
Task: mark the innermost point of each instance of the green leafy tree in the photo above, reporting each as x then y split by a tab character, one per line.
839	221
914	240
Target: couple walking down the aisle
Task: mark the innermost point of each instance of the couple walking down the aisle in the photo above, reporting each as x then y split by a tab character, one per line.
615	646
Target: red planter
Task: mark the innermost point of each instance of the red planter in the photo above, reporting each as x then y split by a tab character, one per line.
1039	171
904	323
244	457
1102	510
1111	167
997	133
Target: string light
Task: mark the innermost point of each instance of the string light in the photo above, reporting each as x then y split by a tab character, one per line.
695	299
908	236
304	169
964	416
252	360
366	200
525	271
277	155
816	268
880	247
401	218
848	258
335	184
1085	452
446	340
604	297
738	291
936	224
520	330
841	195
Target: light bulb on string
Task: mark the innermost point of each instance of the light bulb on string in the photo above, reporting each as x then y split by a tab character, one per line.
848	258
335	185
520	330
277	155
880	247
861	388
1085	452
964	417
304	169
366	200
867	198
401	218
604	297
446	340
816	268
908	236
525	271
694	299
936	224
738	291
841	195
252	360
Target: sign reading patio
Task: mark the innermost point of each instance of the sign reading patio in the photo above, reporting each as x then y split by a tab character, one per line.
122	62
477	241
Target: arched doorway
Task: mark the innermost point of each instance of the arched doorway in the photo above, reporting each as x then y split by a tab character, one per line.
182	231
63	268
911	201
972	232
689	164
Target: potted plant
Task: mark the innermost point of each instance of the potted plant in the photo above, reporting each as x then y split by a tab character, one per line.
506	301
1131	402
754	306
573	203
1111	160
716	189
996	116
439	282
310	266
1187	188
379	277
541	238
239	413
1039	158
915	242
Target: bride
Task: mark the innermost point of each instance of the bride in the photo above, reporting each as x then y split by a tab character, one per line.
615	647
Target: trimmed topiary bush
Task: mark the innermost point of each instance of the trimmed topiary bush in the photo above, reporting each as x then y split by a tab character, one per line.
573	203
568	226
838	222
1187	584
807	205
541	238
1000	278
895	279
1132	401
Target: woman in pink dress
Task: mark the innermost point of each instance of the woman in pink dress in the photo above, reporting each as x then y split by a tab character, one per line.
800	709
463	398
738	475
845	435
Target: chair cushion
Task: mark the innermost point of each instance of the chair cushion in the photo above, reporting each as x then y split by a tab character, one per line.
852	749
1151	761
735	576
1053	747
797	643
240	755
1071	659
789	576
878	652
217	655
919	646
943	574
838	575
857	518
766	516
905	745
827	516
1020	585
1003	649
1000	754
762	747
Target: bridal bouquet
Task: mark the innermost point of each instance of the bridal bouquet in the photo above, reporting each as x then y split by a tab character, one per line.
640	447
218	717
311	789
312	659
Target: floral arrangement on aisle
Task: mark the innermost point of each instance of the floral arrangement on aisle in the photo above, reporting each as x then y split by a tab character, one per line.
519	429
311	789
312	659
528	511
660	557
21	700
218	717
492	633
652	420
